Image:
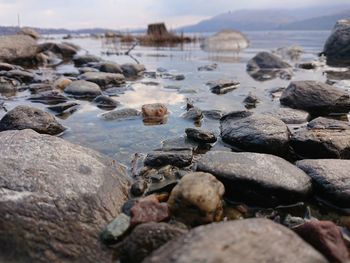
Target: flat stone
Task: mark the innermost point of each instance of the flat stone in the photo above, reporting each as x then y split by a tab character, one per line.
177	157
116	229
222	86
39	87
59	108
122	114
132	70
110	67
105	102
48	97
266	60
330	178
83	89
248	241
81	60
259	179
21	75
200	136
103	79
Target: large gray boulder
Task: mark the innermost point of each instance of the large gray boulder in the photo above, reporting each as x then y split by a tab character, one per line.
255	178
83	89
18	49
27	117
55	198
316	97
248	241
331	179
337	46
246	131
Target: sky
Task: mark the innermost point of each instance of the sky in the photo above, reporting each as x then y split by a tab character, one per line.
129	14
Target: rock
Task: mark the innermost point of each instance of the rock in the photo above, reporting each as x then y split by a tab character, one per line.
307	65
197	199
225	41
55	197
177	157
83	89
336	47
213	114
211	67
110	67
8	85
81	60
59	108
172	76
87	69
322	138
200	136
103	79
105	102
62	83
133	70
62	50
122	114
289	116
315	97
26	117
193	114
149	209
48	97
330	178
155	111
266	60
250	101
29	32
179	143
116	229
289	52
138	187
18	50
6	67
248	241
222	86
258	179
21	75
326	237
39	87
146	238
255	132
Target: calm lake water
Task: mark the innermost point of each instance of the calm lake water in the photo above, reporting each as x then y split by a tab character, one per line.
121	139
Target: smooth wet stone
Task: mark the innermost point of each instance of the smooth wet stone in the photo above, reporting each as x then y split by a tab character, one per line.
27	117
266	60
331	179
179	143
259	179
326	237
146	238
116	229
6	66
322	138
110	67
200	136
138	187
248	131
63	50
248	241
176	157
62	83
213	114
132	70
197	199
149	209
211	67
81	60
250	101
21	75
83	89
194	114
316	97
154	111
222	86
289	115
39	87
48	97
103	79
55	197
8	85
106	102
83	70
122	114
59	108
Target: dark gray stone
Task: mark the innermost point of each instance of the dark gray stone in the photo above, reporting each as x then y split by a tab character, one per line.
133	70
48	97
59	108
223	86
39	87
61	49
266	60
81	60
193	114
289	115
105	102
177	157
103	79
116	229
248	241
200	136
110	67
21	75
261	179
83	89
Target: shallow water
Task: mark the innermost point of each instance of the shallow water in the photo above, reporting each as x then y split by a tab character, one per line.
121	139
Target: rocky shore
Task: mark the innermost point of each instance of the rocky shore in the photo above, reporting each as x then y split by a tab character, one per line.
256	191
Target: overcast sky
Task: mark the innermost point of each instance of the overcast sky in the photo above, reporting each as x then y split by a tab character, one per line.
124	14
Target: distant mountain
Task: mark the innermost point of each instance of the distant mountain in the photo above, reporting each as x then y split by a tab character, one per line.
273	19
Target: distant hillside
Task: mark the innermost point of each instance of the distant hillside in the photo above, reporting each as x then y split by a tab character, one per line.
310	18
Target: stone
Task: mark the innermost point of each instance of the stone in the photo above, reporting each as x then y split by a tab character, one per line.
122	114
81	60
176	157
62	83
155	111
149	209
211	67
103	79
83	89
248	241
116	229
61	107
322	138
330	178
21	75
213	114
289	115
6	66
110	67
307	65
146	238
8	85
266	60
200	136
250	101
138	187
194	114
326	237
56	198
132	70
336	47
27	117
316	97
197	199
62	50
225	41
255	178
29	32
179	143
105	102
223	86
48	97
39	87
247	131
